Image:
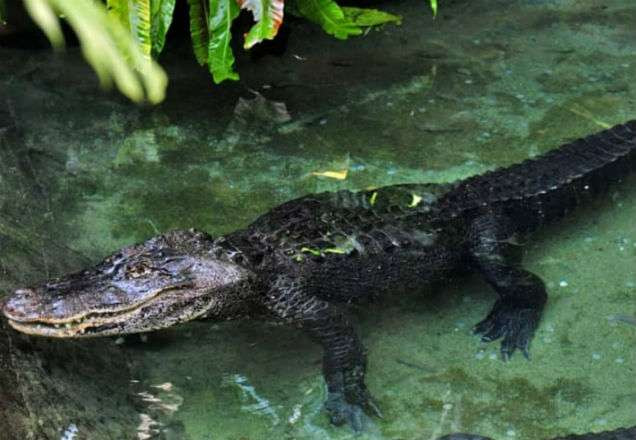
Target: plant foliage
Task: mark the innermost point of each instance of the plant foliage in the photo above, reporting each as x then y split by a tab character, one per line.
369	17
147	20
210	28
330	17
106	44
268	15
3	11
121	38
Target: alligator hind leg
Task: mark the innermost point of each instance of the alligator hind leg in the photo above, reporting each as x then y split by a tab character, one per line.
344	360
522	295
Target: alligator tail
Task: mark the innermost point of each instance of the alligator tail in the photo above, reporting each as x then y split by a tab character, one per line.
545	188
618	434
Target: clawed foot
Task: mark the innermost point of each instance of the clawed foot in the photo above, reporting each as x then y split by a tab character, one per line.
514	324
351	411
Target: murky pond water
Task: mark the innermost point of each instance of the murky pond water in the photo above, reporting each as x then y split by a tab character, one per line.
486	84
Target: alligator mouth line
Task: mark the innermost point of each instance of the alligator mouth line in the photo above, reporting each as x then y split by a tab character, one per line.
80	324
72	328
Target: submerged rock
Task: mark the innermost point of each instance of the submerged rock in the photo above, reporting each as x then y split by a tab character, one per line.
48	386
49	389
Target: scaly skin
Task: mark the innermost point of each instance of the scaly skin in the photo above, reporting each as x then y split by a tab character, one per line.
306	259
618	434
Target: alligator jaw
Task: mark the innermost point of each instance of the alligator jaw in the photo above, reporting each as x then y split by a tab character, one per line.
164	308
95	324
68	330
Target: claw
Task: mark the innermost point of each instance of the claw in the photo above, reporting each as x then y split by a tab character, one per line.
355	417
487	338
352	407
373	408
505	355
525	352
347	413
515	325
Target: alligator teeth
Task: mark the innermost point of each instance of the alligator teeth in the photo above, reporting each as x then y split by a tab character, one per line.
68	325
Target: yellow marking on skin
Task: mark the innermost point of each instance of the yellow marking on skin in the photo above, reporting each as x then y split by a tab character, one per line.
415	201
315	252
338	175
373	198
335	251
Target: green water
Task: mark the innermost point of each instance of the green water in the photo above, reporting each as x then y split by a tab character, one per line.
486	84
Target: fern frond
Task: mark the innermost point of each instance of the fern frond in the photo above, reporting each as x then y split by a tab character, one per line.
106	45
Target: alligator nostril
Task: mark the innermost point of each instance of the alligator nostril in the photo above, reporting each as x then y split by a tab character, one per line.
17	303
23	293
8	307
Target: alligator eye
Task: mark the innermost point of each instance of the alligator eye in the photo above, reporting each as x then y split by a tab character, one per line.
138	270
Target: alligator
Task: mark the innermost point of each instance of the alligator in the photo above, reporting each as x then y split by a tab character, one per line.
305	261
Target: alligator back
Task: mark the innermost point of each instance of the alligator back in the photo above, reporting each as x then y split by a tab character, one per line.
545	188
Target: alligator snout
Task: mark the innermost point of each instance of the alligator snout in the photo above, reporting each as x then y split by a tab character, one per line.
18	304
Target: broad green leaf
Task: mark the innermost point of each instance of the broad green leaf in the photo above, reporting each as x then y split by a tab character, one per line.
329	16
106	44
44	16
161	12
220	56
147	20
268	15
369	17
199	29
135	16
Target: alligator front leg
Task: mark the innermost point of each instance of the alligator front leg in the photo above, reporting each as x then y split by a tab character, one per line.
344	360
522	294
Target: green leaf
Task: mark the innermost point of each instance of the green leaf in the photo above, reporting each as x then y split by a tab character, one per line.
135	16
369	17
434	7
3	12
44	16
268	15
161	13
199	29
314	252
329	16
106	44
220	56
210	29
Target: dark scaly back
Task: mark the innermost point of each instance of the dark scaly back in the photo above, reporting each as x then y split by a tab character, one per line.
339	225
544	189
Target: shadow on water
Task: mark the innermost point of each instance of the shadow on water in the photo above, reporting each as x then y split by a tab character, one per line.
485	84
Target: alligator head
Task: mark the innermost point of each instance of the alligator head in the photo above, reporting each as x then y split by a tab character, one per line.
169	279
